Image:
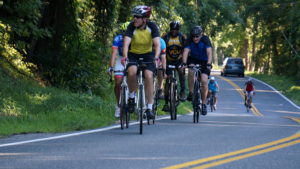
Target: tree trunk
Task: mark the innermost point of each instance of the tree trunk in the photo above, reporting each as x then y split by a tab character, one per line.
215	56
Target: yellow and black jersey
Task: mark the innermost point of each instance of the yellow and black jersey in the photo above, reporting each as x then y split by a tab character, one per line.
141	39
175	46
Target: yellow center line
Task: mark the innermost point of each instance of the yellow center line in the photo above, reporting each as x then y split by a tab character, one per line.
238	89
204	160
248	155
294	118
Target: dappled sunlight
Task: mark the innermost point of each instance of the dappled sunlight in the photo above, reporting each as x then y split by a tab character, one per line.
14	57
232	89
10	108
14	154
285	112
294	89
38	98
265	91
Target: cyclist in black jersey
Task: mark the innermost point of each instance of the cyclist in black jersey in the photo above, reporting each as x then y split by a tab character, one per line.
175	42
198	51
140	37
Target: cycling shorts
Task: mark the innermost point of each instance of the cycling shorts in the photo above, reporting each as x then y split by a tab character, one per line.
148	57
119	68
250	93
214	93
200	62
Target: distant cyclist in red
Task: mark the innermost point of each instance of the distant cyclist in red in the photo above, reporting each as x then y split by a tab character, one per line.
249	90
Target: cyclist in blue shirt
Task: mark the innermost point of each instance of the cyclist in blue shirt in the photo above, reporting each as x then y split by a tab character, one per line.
162	64
213	88
198	51
116	65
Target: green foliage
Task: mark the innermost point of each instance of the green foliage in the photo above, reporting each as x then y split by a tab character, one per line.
26	107
68	42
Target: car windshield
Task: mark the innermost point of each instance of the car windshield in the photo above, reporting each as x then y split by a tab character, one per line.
235	61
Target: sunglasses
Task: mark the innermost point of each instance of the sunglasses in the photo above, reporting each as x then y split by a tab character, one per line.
136	16
196	36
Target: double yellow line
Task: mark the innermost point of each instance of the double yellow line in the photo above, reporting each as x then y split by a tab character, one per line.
238	89
241	154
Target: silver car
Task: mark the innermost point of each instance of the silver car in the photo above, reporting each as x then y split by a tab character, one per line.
233	66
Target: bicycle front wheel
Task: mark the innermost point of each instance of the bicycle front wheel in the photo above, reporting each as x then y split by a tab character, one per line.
173	101
211	103
196	101
140	108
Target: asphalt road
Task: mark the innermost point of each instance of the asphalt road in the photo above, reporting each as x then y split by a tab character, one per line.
266	137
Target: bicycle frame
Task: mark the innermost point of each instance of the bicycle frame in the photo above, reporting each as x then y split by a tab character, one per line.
197	92
123	100
211	101
140	97
173	94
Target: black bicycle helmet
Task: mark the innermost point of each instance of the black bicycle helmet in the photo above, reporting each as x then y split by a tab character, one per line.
197	30
174	25
142	11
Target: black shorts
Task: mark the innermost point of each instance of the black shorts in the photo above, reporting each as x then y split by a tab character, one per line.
203	64
175	63
147	57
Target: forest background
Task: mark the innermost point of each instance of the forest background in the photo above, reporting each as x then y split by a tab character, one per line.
66	43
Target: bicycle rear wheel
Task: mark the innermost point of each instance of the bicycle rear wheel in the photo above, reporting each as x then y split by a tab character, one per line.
248	105
156	100
123	108
196	102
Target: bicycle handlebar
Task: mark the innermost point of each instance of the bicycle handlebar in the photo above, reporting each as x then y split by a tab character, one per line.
197	66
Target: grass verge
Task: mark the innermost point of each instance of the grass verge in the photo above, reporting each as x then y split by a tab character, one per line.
288	86
26	107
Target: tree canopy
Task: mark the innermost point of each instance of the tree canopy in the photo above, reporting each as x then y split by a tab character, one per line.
67	42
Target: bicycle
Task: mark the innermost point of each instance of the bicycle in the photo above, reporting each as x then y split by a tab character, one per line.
211	101
156	94
141	100
172	92
196	101
123	101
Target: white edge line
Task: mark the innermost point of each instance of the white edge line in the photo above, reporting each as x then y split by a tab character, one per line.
287	99
72	134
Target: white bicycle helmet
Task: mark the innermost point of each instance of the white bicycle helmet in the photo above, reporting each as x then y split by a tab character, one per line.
212	78
141	11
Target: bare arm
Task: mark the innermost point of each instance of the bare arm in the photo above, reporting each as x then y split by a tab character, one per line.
113	57
156	43
164	61
209	55
185	54
126	43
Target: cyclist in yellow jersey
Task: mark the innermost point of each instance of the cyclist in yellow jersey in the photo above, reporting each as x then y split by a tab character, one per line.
140	38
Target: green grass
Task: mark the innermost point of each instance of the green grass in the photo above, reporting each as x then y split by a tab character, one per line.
288	86
26	107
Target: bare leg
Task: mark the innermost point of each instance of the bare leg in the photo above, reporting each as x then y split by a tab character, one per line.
118	81
204	83
191	80
132	79
149	86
